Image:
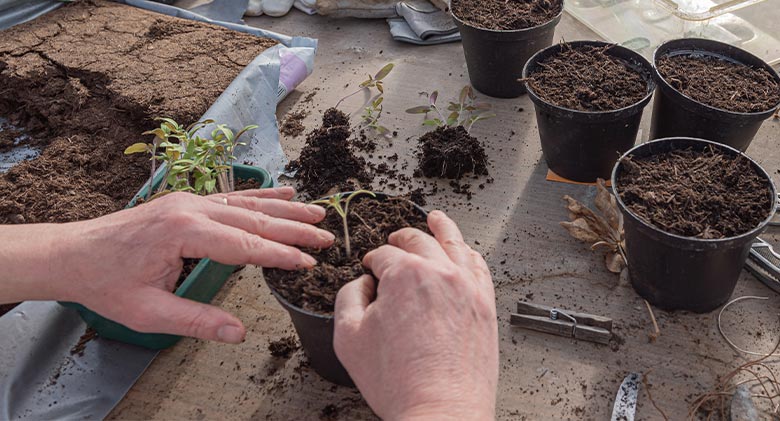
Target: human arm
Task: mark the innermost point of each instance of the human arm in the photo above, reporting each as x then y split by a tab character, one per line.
124	265
427	346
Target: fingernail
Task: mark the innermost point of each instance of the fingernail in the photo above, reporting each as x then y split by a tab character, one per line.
326	236
316	211
230	334
310	261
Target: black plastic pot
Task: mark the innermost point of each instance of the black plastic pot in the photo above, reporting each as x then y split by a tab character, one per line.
316	334
584	145
683	273
495	58
675	114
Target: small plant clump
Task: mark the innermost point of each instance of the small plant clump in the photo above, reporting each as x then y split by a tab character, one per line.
450	151
201	165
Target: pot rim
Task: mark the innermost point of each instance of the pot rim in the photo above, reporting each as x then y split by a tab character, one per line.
289	306
554	20
651	85
748	234
667	48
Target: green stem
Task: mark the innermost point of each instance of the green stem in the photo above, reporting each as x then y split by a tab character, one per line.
346	236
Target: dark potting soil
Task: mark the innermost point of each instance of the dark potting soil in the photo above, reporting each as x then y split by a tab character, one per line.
283	348
328	162
506	15
702	194
370	223
292	125
81	345
587	78
450	152
85	81
720	83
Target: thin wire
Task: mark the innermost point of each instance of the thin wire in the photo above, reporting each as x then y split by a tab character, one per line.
726	338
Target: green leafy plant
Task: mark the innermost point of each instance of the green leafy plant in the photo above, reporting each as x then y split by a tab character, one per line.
192	163
340	204
371	114
464	113
372	82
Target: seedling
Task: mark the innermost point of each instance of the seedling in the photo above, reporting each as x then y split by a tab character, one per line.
372	82
192	163
464	113
335	202
371	114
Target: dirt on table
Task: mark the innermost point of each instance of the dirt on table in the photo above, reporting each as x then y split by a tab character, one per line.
328	162
370	223
84	82
292	125
720	83
587	78
451	152
506	15
703	194
283	348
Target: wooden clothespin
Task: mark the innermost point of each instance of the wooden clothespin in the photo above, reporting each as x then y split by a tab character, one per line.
562	323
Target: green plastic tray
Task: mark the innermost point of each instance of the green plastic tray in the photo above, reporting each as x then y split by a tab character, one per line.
201	285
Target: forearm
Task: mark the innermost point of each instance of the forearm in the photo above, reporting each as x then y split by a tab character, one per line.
29	258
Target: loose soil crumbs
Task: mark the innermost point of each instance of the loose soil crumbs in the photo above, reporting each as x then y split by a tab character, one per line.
283	348
720	83
81	345
292	125
450	152
703	194
506	14
588	78
370	223
327	162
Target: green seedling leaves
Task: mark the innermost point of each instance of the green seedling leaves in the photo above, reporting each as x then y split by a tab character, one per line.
336	202
138	148
464	113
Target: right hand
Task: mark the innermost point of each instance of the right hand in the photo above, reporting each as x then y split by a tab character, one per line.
427	347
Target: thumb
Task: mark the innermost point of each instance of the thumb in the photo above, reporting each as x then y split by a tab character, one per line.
352	300
160	311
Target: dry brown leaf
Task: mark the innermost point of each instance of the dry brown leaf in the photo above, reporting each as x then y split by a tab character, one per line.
596	223
607	204
615	262
580	230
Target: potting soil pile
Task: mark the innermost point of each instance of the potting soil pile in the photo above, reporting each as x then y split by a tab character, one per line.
506	15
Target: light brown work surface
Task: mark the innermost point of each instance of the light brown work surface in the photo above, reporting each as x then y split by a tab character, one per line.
514	222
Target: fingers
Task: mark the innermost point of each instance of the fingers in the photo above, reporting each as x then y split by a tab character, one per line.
233	246
353	299
382	259
282	193
160	311
417	242
448	235
275	229
277	208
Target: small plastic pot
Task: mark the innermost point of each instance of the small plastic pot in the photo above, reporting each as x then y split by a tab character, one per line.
495	58
673	272
583	146
201	285
316	334
675	114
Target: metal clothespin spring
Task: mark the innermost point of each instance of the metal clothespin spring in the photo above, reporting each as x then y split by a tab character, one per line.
554	313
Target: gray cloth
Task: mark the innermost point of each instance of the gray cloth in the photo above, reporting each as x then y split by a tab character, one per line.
420	22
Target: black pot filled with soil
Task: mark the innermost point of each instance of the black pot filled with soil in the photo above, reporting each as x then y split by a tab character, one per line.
500	35
711	90
309	295
692	209
589	97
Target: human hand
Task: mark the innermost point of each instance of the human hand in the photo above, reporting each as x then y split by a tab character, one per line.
427	347
125	265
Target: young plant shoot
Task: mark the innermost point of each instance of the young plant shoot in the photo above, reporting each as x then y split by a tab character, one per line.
372	109
201	165
335	202
464	113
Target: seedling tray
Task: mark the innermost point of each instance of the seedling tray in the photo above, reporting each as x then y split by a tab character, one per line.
201	285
